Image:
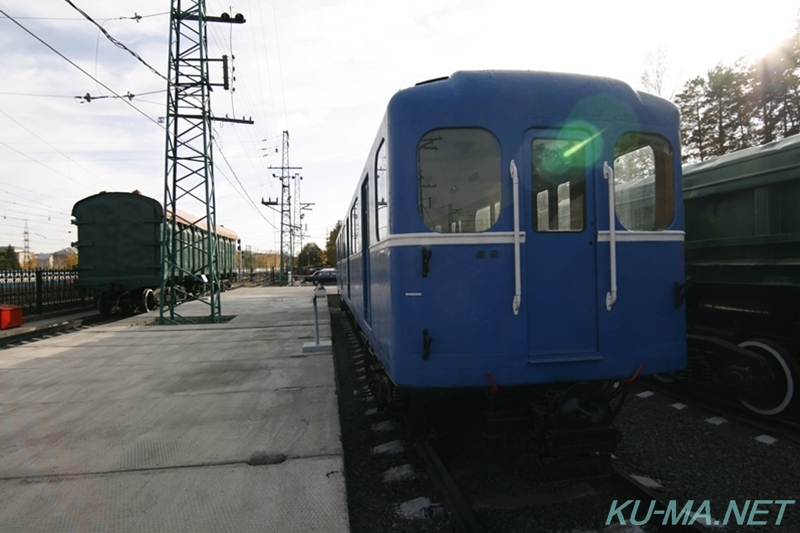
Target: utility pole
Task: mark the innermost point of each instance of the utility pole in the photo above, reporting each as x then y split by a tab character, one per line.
26	247
302	207
189	169
287	248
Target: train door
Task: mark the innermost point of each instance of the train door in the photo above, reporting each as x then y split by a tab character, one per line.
366	202
560	282
348	253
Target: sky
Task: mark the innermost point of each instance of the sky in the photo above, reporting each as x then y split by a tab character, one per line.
322	70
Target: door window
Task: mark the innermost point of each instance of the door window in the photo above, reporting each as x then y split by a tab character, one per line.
559	184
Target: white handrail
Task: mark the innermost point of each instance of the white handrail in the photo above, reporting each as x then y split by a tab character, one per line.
517	302
608	173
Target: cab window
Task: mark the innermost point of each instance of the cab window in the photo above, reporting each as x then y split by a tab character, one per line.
643	182
458	179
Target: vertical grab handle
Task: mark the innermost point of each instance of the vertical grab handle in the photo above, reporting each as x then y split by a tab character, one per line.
426	260
517	302
608	174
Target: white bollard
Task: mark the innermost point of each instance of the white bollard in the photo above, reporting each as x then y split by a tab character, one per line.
317	345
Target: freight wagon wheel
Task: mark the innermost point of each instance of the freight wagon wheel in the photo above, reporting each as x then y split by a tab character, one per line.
105	303
148	301
783	372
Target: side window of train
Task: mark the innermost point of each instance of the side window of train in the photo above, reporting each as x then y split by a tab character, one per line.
382	191
355	238
559	184
643	182
459	174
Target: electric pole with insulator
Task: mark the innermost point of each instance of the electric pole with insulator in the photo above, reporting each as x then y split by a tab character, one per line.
189	170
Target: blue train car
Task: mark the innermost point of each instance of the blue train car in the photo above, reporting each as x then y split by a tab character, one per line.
492	240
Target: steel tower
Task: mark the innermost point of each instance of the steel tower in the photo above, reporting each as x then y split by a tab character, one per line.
189	170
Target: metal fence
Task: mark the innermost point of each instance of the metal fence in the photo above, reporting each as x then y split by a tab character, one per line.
43	291
259	276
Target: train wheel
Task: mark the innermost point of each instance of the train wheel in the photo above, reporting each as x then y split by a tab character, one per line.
783	374
105	304
148	301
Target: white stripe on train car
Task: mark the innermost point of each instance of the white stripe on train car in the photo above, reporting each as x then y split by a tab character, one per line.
642	236
427	239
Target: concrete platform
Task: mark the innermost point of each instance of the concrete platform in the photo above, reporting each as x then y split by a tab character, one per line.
223	427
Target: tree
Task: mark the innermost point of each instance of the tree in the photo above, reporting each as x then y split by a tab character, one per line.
749	104
70	260
330	245
29	262
657	73
310	255
723	114
691	102
8	259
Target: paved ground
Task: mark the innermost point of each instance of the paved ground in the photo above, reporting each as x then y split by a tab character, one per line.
225	427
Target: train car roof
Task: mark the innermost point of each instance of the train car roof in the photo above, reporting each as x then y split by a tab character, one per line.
183	217
551	96
752	167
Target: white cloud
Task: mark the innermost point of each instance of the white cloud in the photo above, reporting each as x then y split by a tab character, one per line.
323	70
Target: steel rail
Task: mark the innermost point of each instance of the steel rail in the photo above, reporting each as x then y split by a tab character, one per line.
460	511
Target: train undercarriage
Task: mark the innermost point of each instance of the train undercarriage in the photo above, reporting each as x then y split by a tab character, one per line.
570	424
146	299
745	341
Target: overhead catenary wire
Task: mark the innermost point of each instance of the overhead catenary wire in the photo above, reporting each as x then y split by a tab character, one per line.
115	41
68	60
135	17
244	194
45	166
53	147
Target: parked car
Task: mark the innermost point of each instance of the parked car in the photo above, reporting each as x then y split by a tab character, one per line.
323	276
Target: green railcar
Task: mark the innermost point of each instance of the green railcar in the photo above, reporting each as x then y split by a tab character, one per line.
120	249
743	217
742	214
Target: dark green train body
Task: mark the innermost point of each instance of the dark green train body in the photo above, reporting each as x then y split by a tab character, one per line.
743	217
120	246
743	265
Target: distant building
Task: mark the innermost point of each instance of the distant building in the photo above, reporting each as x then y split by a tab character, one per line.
26	259
66	258
62	259
44	260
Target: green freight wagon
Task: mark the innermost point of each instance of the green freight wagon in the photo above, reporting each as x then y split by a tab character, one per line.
120	246
743	261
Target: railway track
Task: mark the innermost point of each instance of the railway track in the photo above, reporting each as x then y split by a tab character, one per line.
784	426
480	483
58	326
618	488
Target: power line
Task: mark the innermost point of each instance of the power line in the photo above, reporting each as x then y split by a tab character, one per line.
135	17
49	208
53	147
68	60
37	95
248	198
280	67
115	41
45	166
